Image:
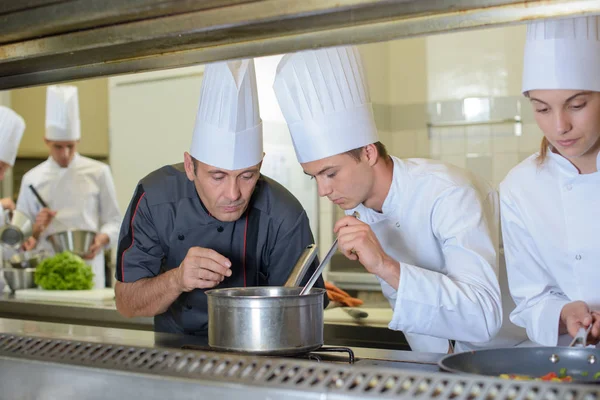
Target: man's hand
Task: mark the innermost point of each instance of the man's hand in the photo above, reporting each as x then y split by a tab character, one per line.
42	220
577	315
202	269
7	203
357	241
100	241
29	243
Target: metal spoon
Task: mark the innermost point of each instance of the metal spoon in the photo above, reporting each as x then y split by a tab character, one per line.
319	269
324	262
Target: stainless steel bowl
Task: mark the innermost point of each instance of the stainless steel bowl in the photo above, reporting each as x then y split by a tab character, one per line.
19	278
75	241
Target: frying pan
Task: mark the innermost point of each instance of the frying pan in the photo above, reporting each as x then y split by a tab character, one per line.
580	363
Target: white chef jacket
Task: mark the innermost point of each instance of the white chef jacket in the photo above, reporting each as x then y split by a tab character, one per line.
84	196
550	218
435	222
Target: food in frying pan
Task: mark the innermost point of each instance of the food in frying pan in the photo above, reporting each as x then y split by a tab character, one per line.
550	377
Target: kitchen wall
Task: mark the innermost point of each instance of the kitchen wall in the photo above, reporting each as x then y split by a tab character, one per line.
30	103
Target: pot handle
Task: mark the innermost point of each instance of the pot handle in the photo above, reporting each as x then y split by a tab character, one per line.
301	267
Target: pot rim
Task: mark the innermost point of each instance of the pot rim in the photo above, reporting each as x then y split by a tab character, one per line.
219	293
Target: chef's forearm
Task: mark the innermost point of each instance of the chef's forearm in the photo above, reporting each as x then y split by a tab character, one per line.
147	297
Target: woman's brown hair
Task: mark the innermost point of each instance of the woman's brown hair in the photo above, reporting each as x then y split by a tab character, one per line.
543	146
543	151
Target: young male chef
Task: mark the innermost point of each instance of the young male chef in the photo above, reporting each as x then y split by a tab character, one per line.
79	191
423	227
213	221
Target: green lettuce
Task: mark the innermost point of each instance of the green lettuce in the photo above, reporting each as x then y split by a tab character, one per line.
64	271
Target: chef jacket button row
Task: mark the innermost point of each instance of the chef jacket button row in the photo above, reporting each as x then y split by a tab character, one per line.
182	237
397	224
568	187
578	257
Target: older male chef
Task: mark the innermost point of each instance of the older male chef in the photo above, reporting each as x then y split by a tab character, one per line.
79	191
213	221
12	127
423	225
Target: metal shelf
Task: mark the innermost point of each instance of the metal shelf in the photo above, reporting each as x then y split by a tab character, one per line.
48	41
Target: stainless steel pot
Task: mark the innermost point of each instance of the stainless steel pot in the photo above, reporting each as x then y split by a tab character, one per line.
268	320
17	228
265	320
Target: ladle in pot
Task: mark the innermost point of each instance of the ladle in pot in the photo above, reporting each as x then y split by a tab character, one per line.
299	271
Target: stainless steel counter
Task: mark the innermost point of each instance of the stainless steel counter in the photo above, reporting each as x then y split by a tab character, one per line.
105	314
82	313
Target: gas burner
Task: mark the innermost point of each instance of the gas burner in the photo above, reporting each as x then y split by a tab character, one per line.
312	356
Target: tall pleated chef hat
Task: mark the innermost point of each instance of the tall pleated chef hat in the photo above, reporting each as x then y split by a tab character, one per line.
562	54
324	97
62	113
228	130
12	127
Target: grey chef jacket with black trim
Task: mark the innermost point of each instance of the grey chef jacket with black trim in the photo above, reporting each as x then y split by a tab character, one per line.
166	218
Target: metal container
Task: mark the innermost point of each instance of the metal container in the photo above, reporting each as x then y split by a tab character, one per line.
76	241
265	320
302	265
26	259
19	278
18	227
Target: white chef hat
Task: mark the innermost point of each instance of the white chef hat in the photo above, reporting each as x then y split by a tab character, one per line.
228	130
62	113
12	127
562	54
324	97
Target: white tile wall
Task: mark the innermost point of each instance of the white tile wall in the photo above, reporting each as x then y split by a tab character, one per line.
479	140
529	141
404	144
453	141
504	139
488	149
424	148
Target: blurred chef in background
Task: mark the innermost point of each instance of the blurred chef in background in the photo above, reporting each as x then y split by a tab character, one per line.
80	192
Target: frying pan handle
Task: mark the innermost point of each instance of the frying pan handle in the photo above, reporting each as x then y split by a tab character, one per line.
39	198
580	340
